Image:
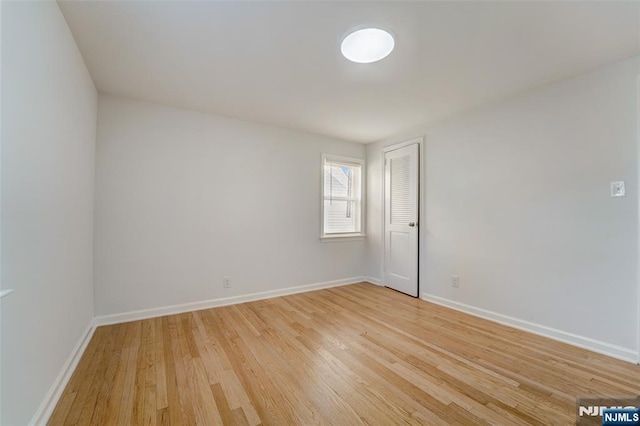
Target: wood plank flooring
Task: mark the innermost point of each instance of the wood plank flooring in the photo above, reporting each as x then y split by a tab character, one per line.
348	355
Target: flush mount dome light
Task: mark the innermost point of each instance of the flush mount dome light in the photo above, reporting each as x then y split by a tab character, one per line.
367	45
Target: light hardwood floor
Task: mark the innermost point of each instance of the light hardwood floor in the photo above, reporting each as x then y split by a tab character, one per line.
347	355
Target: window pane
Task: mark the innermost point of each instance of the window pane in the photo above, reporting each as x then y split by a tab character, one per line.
340	217
342	195
341	180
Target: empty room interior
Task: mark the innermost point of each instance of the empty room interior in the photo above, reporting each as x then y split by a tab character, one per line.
317	212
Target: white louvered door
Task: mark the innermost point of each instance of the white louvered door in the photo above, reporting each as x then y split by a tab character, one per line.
401	194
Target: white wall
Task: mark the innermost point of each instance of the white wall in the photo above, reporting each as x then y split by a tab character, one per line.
48	145
1	287
184	198
517	204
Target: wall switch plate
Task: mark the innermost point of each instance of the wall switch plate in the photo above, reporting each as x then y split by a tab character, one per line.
226	282
455	281
617	189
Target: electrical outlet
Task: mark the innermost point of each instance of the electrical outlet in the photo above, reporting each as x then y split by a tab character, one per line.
455	281
226	282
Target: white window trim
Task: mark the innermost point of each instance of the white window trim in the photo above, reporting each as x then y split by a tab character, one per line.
351	236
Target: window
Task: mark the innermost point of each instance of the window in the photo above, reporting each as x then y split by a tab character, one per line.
342	203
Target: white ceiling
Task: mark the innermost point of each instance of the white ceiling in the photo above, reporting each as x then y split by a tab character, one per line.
280	62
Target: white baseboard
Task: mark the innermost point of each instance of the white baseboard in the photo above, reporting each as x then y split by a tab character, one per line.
55	392
213	303
614	351
372	280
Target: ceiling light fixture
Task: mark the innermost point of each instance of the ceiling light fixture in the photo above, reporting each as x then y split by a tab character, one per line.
367	45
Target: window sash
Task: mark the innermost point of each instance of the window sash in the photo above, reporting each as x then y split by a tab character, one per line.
340	198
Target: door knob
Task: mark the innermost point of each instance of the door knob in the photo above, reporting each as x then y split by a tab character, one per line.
412	224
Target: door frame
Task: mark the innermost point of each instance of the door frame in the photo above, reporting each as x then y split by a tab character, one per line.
421	206
638	220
